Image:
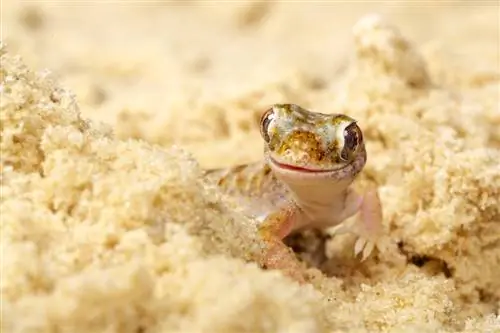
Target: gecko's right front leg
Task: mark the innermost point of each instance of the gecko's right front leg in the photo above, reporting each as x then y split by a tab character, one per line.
277	255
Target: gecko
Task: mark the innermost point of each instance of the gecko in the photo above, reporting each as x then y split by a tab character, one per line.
304	181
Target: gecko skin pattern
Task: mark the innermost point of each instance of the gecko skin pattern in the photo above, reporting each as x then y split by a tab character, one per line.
310	162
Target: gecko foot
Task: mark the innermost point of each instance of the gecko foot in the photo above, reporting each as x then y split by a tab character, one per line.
367	226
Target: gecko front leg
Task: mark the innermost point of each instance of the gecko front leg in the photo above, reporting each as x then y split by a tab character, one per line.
277	255
369	225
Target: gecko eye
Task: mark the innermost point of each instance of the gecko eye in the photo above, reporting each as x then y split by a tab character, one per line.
265	120
352	139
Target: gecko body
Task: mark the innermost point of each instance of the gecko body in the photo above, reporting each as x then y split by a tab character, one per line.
310	162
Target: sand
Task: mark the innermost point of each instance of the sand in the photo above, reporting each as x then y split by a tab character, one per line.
110	112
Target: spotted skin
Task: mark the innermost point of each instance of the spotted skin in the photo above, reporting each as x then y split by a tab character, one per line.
310	162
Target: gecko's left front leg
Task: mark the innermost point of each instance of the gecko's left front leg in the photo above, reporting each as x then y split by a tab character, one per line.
277	255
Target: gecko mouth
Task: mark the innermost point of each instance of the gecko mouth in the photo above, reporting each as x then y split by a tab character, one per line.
303	169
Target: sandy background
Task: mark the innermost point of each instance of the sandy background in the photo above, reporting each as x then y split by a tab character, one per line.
108	227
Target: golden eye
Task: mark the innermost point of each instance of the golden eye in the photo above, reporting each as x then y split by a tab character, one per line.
352	139
265	120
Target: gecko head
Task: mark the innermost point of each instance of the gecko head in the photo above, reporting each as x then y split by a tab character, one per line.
311	143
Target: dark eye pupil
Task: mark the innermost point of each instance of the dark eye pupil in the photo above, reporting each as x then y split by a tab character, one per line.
350	138
351	141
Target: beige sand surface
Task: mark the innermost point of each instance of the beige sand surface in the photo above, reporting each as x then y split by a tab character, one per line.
107	225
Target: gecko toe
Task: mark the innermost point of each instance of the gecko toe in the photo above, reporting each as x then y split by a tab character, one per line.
367	250
359	246
364	247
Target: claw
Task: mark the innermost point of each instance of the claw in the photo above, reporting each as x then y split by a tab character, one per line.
368	250
359	246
